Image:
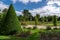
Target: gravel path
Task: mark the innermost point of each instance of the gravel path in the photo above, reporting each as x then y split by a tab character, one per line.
39	27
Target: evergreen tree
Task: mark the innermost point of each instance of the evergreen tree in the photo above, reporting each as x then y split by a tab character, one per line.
11	22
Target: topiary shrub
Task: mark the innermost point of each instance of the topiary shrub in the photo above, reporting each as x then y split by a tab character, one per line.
11	22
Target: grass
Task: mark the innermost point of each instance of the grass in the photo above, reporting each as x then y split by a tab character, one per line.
4	37
41	24
34	36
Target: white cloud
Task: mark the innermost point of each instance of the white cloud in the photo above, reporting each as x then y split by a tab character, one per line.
2	5
19	13
14	1
53	1
49	9
35	1
26	1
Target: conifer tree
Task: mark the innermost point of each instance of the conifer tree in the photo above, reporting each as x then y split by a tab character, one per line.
11	22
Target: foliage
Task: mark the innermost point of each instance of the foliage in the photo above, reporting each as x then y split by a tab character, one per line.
50	35
48	28
11	22
0	19
34	27
36	20
5	10
20	17
55	20
27	15
24	34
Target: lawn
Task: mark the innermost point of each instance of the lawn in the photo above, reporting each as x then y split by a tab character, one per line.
42	24
34	36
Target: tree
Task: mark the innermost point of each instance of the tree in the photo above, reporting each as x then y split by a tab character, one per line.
42	19
49	18
27	15
11	22
55	20
5	10
45	19
20	17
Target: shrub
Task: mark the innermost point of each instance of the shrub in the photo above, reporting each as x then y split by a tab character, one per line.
29	28
48	28
55	28
50	35
24	34
12	32
34	27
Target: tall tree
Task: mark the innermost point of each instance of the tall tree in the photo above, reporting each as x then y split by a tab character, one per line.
27	15
11	22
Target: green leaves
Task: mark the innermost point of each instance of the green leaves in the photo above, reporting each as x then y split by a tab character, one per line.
11	22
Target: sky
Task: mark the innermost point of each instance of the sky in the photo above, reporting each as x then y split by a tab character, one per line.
42	7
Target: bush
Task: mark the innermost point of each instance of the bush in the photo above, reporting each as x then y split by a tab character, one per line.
13	32
34	27
50	35
24	34
55	28
24	23
29	28
48	28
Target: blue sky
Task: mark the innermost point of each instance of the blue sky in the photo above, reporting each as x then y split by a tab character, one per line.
42	7
21	6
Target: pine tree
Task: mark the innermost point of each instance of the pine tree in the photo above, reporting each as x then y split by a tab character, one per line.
11	22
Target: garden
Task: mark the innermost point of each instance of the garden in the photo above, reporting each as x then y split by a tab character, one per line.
11	26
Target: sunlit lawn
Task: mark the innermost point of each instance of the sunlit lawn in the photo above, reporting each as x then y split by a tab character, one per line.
34	36
42	24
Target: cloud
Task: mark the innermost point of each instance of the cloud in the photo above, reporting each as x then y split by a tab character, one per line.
19	13
26	1
49	9
14	1
3	6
